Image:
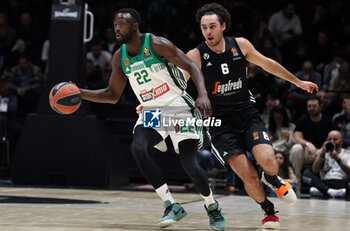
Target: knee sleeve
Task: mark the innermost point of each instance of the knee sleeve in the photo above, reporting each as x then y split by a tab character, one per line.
138	149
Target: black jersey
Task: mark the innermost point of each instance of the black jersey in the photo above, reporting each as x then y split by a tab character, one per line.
225	77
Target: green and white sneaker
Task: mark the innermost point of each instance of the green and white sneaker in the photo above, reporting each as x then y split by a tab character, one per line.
173	213
217	220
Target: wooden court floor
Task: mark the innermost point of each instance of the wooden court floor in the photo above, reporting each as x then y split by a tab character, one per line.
51	209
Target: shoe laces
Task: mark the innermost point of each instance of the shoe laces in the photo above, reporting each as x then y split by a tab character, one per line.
215	214
272	213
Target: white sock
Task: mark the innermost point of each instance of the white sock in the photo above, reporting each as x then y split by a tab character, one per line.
209	199
164	193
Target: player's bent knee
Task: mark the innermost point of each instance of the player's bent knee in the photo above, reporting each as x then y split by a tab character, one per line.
138	149
270	165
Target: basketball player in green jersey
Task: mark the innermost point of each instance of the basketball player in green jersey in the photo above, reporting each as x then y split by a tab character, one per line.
151	64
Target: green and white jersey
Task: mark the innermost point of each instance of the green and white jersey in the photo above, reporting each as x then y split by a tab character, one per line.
154	80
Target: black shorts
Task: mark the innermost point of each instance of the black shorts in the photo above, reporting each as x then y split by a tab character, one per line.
239	132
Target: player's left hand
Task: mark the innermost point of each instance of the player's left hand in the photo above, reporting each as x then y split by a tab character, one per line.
203	103
308	86
139	109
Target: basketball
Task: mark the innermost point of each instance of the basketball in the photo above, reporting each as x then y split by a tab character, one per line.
65	98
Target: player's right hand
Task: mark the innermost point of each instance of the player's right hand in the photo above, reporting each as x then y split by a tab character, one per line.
203	103
308	86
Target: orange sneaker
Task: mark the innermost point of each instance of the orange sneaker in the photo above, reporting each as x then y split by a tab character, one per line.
282	188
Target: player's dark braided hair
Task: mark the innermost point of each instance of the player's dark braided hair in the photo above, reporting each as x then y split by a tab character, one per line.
215	8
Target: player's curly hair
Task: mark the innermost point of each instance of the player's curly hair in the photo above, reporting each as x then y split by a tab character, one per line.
214	8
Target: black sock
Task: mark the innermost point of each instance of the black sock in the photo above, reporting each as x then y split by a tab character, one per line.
267	206
273	180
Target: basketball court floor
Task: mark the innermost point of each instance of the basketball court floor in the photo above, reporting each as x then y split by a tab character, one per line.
43	209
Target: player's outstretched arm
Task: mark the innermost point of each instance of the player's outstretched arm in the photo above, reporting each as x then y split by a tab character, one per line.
271	66
169	51
112	93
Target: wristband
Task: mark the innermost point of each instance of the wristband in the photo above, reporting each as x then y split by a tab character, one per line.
338	161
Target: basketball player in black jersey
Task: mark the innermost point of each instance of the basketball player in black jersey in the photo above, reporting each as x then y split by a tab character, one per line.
223	61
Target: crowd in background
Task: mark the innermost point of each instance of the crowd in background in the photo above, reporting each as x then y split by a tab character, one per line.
310	38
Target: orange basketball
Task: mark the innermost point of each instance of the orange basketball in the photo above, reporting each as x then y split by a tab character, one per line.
65	98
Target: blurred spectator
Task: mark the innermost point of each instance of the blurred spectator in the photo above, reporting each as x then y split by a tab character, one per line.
271	102
285	25
332	69
343	118
45	55
327	108
310	132
13	10
296	96
260	34
94	76
285	168
300	55
333	164
345	134
270	50
28	82
9	126
321	19
110	42
19	49
28	32
339	85
259	85
286	28
344	40
99	57
281	130
322	51
7	39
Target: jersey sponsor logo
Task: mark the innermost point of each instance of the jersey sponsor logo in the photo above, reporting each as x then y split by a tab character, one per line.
153	94
161	90
126	62
234	51
255	135
228	88
138	66
206	56
146	95
209	64
146	51
225	153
